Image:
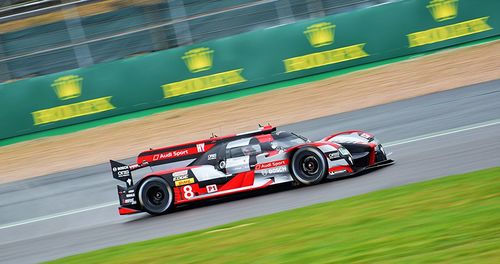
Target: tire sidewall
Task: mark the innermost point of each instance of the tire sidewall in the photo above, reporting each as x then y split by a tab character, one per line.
147	205
300	176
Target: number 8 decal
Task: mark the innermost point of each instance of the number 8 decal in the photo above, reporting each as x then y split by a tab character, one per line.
188	192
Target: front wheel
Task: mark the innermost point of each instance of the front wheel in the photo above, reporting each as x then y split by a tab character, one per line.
156	196
308	166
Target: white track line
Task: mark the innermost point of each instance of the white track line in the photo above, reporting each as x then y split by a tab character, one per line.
390	144
52	216
443	133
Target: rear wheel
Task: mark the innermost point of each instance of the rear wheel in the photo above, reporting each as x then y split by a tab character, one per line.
156	196
308	166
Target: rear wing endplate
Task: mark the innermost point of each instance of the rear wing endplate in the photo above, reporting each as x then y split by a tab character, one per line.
123	172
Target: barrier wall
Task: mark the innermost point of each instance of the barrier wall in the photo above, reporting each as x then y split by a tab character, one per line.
242	61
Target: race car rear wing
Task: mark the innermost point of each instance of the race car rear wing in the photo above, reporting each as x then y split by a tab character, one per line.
192	150
126	195
123	172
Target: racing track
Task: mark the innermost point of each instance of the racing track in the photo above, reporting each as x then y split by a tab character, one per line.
430	136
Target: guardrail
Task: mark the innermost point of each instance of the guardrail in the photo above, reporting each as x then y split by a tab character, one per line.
246	60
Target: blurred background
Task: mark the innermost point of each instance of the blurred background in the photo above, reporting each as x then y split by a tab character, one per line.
59	130
39	37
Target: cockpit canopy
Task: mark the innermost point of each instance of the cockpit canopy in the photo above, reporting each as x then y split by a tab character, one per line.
250	146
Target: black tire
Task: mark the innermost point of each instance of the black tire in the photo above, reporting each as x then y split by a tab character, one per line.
156	196
309	166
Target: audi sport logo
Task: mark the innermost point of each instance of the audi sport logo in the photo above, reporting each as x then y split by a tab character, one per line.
271	164
171	154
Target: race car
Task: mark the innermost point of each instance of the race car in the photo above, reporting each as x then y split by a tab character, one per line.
221	166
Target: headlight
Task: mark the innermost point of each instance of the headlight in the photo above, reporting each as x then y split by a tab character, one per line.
344	151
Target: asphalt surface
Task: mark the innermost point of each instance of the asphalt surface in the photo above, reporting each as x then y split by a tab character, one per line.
430	136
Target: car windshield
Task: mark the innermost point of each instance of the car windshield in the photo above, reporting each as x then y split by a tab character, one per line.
287	139
247	150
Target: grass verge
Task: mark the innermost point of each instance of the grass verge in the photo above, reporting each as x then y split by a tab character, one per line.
452	219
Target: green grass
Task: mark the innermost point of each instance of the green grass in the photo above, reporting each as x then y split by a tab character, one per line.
455	219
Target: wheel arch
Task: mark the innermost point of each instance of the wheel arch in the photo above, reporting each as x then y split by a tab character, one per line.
166	177
142	181
322	155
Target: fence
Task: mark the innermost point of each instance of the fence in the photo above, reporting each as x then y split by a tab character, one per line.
63	35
